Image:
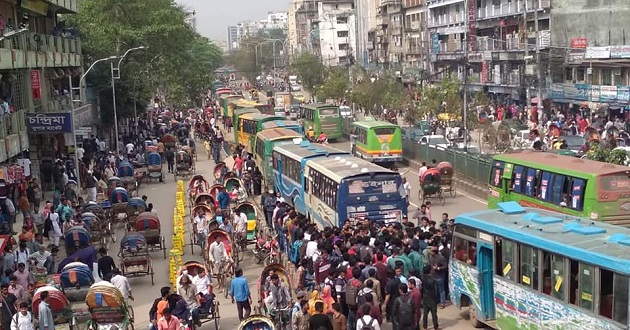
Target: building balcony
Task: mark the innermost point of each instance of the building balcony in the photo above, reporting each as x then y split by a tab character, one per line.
36	50
415	49
511	8
509	44
64	6
446	19
382	20
451	46
391	3
441	3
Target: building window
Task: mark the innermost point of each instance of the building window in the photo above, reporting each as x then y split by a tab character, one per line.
342	20
342	34
343	46
568	73
607	77
580	75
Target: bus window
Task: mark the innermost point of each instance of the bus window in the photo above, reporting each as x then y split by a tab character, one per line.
274	160
545	186
509	250
496	175
606	293
557	188
529	266
460	248
517	178
531	182
577	194
557	277
620	299
586	286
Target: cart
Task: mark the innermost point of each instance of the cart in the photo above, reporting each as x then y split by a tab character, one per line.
222	270
135	259
126	174
64	316
108	308
183	164
76	238
430	186
447	178
154	166
193	268
75	279
135	206
256	322
219	172
264	281
118	199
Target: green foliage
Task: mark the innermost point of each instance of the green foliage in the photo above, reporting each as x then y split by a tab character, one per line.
310	69
178	62
444	97
256	54
604	153
335	85
384	92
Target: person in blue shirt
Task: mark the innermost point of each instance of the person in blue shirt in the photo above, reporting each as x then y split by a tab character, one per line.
224	199
239	291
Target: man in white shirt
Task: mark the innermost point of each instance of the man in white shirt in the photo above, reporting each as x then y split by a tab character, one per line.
80	151
122	283
422	169
311	246
201	228
240	222
130	147
406	190
203	283
44	259
367	320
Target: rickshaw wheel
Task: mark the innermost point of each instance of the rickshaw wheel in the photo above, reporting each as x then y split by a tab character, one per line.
163	246
453	192
440	196
130	312
216	316
152	277
192	244
421	195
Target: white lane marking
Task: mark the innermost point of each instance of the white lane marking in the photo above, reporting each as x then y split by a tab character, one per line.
476	199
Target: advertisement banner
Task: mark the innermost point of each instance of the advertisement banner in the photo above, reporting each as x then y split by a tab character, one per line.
52	122
36	87
608	93
484	72
578	43
597	53
620	51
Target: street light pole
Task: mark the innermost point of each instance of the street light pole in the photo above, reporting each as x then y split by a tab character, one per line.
115	70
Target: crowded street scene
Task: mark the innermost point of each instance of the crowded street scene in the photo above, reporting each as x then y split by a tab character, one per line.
334	165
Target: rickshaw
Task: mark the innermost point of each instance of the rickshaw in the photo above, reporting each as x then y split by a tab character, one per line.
215	190
183	164
257	322
76	238
75	279
108	308
115	182
263	285
71	191
219	171
230	184
134	256
190	143
63	315
135	206
193	268
252	218
103	218
204	199
183	133
118	199
127	176
154	166
169	141
430	186
148	224
96	228
447	178
221	271
197	185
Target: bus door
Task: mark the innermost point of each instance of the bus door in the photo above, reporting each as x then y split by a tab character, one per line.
486	285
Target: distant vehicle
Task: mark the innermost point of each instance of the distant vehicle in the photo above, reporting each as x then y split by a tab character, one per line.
296	87
376	141
293	80
574	142
323	118
294	113
521	140
434	140
345	111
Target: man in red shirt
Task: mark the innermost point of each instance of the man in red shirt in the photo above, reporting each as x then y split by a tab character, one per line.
375	311
168	321
416	297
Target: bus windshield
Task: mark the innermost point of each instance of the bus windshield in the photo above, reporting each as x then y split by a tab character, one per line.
615	182
372	186
328	112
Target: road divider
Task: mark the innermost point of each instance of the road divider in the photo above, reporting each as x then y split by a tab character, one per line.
175	260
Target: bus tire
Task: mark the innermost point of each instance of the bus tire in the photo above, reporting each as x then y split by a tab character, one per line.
472	315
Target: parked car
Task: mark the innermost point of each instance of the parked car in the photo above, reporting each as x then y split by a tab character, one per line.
345	111
435	140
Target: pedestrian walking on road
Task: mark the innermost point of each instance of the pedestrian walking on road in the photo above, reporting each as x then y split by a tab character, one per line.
45	318
239	291
22	320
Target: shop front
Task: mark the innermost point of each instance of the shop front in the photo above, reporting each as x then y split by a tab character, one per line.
49	134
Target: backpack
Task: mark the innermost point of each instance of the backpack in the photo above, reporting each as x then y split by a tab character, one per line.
352	293
405	312
361	298
368	326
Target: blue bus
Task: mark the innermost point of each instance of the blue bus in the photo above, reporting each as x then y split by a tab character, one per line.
288	124
526	268
330	186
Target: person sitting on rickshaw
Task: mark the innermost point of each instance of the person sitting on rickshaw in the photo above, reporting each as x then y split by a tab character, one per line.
240	222
234	194
280	295
224	199
218	256
242	194
322	138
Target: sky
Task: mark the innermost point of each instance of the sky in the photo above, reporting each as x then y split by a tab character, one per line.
214	16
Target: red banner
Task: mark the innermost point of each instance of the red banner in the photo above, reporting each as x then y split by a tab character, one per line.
484	72
472	27
579	43
36	87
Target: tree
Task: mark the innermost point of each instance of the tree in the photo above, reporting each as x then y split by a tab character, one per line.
372	95
336	84
310	69
603	153
178	62
442	98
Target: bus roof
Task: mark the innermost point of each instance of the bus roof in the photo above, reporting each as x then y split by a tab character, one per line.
308	150
245	110
373	124
278	133
259	116
280	123
339	168
560	163
226	96
318	105
589	241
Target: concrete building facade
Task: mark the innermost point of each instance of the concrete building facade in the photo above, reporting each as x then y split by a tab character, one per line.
232	37
337	32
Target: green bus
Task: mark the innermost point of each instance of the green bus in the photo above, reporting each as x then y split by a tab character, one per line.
574	186
323	118
249	125
290	124
263	149
225	103
377	141
236	115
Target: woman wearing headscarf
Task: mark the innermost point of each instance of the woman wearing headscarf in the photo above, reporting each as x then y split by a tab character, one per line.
314	299
257	180
328	299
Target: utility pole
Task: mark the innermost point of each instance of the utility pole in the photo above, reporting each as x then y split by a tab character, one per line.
466	50
538	66
528	97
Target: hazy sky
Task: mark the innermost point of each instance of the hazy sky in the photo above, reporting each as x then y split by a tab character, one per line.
214	16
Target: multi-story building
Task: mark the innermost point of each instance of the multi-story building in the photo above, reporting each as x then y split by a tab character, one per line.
388	37
191	19
274	21
337	32
302	19
596	69
38	59
416	34
366	26
232	37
